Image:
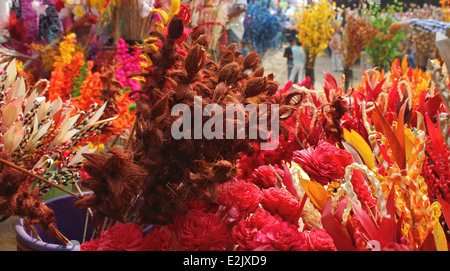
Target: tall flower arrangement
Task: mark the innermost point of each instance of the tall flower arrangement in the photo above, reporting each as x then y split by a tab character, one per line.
385	47
357	171
358	32
446	7
315	27
166	174
261	27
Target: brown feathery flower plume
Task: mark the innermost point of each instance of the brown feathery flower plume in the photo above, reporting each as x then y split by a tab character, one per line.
179	171
17	199
117	182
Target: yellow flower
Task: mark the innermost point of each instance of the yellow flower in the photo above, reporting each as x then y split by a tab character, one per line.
66	50
19	66
79	12
174	8
315	24
164	15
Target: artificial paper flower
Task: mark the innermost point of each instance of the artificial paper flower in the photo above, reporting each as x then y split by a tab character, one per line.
323	163
202	231
121	237
240	197
263	232
158	240
281	202
266	176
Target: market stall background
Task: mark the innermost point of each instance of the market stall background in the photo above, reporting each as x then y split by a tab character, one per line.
103	81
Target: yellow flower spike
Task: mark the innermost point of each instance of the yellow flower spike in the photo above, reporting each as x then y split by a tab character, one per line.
439	235
147	63
79	12
174	8
164	16
66	50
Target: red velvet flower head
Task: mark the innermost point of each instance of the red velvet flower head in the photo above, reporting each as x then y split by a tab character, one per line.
158	240
121	237
239	197
323	163
265	177
281	202
263	232
202	231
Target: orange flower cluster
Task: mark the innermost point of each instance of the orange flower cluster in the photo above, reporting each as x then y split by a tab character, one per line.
73	78
357	34
90	90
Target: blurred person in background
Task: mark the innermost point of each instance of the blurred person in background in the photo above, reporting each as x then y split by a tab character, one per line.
299	59
235	25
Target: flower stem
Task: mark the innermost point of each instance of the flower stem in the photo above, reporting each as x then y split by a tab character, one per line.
39	178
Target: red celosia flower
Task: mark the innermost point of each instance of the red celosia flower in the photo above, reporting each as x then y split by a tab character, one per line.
121	237
281	202
323	163
158	240
265	177
239	197
202	231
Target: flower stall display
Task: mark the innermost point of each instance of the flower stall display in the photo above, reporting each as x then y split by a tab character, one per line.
315	27
73	78
350	169
422	43
41	141
164	176
352	174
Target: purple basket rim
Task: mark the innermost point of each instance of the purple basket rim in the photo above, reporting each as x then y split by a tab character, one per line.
36	244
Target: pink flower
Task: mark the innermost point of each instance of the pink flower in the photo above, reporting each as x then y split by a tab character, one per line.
239	197
281	202
265	177
248	233
263	232
318	240
202	231
121	237
323	163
